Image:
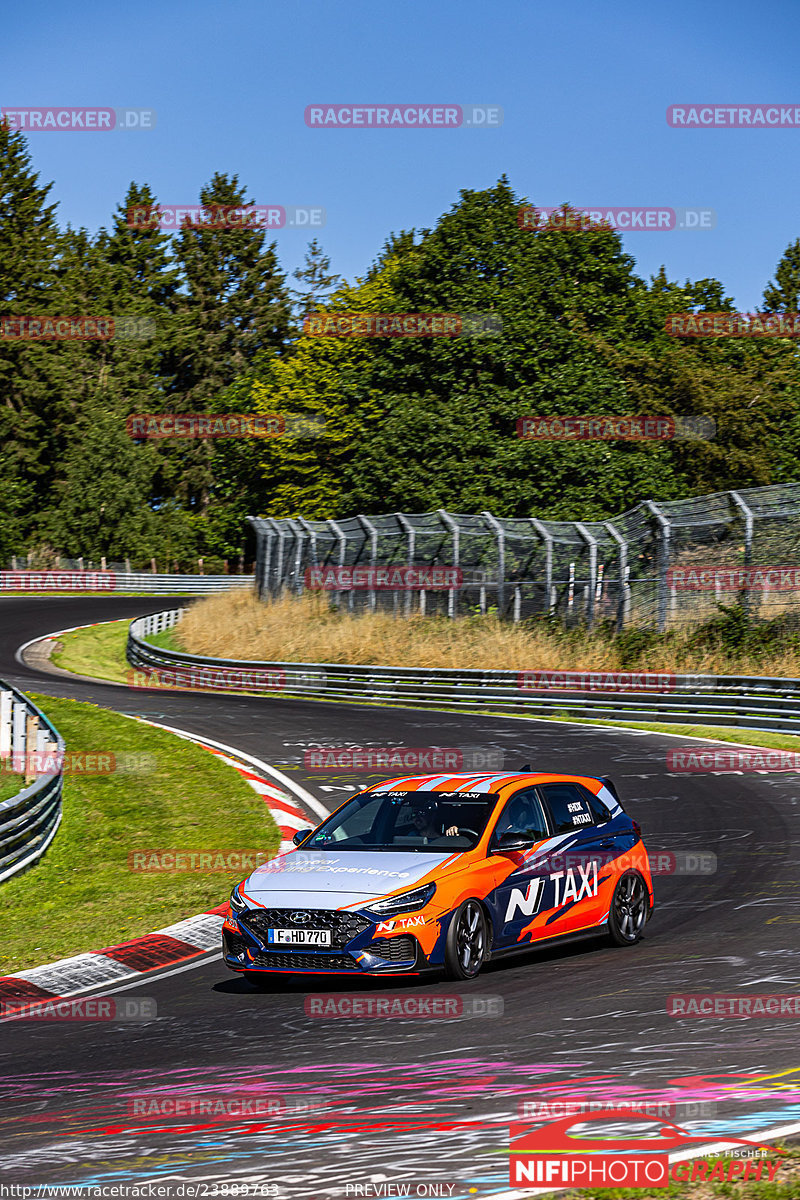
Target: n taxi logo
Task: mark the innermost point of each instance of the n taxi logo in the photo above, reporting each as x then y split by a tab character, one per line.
548	1155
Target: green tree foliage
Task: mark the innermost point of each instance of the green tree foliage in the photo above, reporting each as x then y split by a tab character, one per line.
372	424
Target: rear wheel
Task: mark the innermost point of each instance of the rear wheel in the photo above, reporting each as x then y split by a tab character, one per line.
630	908
465	949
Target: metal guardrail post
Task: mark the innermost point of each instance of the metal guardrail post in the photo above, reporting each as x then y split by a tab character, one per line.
500	537
624	600
450	524
547	538
29	820
663	565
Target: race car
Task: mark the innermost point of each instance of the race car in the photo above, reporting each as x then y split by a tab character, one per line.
444	872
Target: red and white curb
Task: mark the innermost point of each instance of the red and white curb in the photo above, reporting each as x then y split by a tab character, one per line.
191	938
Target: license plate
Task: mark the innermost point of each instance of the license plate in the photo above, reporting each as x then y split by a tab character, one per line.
299	937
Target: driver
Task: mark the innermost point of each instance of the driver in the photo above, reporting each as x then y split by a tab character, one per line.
422	820
520	817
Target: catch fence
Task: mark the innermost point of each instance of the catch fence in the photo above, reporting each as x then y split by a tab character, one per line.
662	564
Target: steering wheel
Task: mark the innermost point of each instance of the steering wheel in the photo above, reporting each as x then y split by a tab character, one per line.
463	829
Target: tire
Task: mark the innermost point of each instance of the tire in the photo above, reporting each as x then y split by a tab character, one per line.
467	942
629	909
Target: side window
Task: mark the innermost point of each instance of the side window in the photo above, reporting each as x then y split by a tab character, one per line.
523	814
569	806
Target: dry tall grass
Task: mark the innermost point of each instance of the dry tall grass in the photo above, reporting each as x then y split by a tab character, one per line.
304	629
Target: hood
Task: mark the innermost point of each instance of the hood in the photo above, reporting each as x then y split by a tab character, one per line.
324	879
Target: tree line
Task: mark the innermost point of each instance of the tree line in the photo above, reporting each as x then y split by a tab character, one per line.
372	424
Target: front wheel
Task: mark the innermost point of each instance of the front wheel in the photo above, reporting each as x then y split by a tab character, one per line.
465	949
630	908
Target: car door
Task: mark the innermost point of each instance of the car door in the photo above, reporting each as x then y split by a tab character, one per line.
522	891
580	860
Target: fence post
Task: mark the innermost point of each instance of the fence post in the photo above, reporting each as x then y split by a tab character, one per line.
450	524
500	537
591	542
663	565
312	541
6	708
367	525
299	538
411	551
342	550
18	721
547	538
748	542
624	599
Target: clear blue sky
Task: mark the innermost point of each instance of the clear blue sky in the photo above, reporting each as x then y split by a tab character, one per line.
584	87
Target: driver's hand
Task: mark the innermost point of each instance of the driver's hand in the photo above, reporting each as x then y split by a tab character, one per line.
451	831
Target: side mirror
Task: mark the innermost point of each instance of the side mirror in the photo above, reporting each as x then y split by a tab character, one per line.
511	841
301	836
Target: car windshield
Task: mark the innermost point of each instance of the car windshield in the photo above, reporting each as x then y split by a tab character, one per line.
414	821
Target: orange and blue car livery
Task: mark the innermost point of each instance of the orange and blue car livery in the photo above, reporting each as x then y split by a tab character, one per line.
444	872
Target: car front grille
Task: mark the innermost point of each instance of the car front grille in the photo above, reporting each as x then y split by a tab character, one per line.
344	926
395	949
305	962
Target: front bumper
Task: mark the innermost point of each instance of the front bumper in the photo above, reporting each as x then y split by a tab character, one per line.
354	949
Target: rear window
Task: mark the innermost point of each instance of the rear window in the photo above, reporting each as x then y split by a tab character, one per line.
569	806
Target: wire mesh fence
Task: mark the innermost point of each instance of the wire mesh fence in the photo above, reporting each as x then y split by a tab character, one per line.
659	565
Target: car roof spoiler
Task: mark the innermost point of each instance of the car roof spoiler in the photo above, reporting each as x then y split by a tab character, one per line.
609	785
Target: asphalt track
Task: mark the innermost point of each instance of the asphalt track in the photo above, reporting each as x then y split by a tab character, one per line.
421	1100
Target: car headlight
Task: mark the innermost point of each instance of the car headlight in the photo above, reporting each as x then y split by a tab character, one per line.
238	905
405	902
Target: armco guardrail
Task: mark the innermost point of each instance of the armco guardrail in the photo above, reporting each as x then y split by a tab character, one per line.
120	581
748	702
29	820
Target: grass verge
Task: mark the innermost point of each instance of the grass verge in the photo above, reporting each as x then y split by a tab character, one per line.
100	650
82	895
